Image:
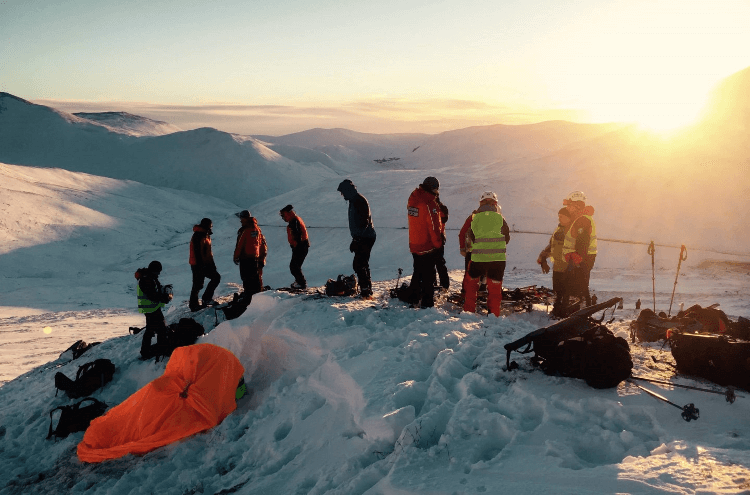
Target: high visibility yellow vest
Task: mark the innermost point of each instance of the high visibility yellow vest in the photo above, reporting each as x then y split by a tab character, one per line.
569	245
557	241
489	242
146	305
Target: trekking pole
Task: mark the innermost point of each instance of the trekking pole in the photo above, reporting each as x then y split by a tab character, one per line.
683	257
400	271
728	394
689	411
651	251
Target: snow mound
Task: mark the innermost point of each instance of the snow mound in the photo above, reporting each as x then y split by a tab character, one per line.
127	123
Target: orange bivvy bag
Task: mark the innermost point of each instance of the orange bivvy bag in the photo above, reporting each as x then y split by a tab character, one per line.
195	393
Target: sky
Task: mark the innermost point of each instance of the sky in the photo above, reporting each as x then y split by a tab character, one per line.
377	66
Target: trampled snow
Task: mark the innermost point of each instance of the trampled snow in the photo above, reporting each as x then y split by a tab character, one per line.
352	396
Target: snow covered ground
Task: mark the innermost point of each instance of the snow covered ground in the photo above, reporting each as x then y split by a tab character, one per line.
352	396
348	396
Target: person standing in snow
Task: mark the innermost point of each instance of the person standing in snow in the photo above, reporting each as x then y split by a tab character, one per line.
442	270
152	296
425	239
250	254
465	250
363	234
559	265
580	246
202	265
487	238
296	234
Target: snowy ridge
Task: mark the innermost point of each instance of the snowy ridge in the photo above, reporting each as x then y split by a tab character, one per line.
127	123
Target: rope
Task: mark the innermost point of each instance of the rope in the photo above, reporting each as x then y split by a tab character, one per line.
534	232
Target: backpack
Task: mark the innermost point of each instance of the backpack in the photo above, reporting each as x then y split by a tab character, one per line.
90	377
596	356
405	294
75	417
342	286
76	350
713	320
716	357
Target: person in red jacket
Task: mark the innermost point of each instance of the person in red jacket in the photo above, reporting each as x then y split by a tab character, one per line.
296	234
250	254
425	239
202	265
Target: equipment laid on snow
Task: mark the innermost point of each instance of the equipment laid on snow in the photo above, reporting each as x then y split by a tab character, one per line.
183	333
75	417
683	257
90	377
728	394
650	327
578	347
718	358
76	350
342	286
689	411
195	393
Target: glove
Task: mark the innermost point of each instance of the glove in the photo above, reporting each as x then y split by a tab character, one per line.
574	259
545	266
353	246
236	261
462	251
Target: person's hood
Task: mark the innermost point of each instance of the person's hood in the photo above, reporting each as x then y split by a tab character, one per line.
588	210
489	207
198	228
252	223
348	189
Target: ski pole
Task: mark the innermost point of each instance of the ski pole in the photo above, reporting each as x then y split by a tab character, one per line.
728	394
651	251
683	257
689	411
400	271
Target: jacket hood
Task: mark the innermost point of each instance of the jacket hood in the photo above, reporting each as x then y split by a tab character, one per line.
348	189
588	210
199	229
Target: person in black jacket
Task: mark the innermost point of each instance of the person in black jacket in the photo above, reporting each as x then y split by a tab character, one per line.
363	234
152	296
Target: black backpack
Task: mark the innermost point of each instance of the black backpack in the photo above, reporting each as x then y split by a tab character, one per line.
342	286
76	417
90	376
596	356
75	350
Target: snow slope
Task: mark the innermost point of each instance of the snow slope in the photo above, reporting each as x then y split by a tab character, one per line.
127	123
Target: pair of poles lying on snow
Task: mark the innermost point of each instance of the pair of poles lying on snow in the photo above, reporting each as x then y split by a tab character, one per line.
683	257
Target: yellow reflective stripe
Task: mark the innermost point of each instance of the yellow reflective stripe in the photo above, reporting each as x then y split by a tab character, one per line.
488	251
490	239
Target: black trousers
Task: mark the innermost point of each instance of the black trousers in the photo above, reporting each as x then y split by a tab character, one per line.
361	264
251	274
199	274
580	277
423	279
156	324
442	270
299	253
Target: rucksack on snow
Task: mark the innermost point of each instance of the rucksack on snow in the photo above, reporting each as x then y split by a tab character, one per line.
76	417
90	377
185	332
342	286
578	347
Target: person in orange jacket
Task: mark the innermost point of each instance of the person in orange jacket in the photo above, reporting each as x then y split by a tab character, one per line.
425	239
296	234
202	265
250	254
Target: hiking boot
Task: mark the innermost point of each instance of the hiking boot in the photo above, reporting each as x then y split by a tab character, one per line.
297	286
366	294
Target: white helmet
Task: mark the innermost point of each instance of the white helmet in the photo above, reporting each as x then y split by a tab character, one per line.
488	195
575	196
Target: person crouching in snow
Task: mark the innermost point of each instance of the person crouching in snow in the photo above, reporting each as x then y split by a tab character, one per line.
152	296
202	265
250	254
487	237
579	247
296	233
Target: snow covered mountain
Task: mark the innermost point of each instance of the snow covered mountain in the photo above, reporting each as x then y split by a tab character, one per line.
127	123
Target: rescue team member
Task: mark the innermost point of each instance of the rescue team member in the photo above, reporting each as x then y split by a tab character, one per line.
465	251
579	246
554	249
425	239
152	296
250	254
296	233
442	269
363	235
202	265
487	237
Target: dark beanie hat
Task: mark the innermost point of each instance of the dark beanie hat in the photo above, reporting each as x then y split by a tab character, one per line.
287	208
344	185
206	223
431	183
244	214
154	267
